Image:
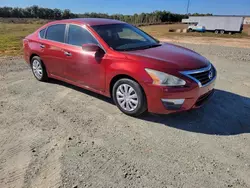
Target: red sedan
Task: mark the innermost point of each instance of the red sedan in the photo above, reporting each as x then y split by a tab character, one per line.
118	60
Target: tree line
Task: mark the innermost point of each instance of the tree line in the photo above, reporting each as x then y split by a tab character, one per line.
55	14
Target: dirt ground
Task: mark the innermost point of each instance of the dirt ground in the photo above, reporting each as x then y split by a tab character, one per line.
54	135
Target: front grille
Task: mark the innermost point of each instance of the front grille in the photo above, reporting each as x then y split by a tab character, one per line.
202	99
204	77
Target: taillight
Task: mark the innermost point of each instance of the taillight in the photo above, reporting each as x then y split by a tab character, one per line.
25	41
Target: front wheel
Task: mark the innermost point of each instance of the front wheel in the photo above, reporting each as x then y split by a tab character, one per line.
129	97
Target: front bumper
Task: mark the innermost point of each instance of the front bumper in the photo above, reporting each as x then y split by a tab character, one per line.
193	96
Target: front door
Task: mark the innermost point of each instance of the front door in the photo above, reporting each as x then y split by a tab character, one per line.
85	68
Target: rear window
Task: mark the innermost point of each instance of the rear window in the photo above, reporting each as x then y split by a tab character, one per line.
56	32
42	33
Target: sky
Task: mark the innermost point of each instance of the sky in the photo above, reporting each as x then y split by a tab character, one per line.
218	7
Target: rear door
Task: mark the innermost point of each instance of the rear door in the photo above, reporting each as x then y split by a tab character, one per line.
85	68
52	46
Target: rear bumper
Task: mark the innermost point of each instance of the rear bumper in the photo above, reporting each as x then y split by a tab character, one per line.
192	97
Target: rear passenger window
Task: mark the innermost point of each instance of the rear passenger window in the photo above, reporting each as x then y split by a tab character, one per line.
42	33
78	36
56	32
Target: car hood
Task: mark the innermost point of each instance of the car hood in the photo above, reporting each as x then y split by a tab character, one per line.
174	55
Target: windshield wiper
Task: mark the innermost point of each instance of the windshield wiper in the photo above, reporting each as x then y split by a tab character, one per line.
151	46
141	48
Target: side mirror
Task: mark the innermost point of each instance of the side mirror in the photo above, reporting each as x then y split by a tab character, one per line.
91	47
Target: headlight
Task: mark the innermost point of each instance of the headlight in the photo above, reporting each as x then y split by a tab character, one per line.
164	79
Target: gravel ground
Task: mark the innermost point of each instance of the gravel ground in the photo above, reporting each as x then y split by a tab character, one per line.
231	53
57	135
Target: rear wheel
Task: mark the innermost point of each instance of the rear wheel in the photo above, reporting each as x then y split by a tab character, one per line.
38	69
129	97
216	31
222	32
190	30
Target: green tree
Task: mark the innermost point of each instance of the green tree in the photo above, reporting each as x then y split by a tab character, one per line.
46	13
57	14
66	14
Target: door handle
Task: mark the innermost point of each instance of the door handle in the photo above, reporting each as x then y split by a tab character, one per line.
42	46
67	54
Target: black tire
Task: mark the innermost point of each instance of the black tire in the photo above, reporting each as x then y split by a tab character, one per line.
216	31
44	75
142	102
222	32
190	30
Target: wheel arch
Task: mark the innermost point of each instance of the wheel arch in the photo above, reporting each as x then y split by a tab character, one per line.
118	77
33	55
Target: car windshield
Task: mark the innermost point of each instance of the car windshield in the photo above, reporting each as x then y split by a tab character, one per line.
125	37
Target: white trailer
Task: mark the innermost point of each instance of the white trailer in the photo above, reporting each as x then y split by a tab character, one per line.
218	24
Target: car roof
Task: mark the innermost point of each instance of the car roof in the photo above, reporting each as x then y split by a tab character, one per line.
88	21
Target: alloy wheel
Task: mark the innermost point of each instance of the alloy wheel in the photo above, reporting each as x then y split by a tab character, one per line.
37	69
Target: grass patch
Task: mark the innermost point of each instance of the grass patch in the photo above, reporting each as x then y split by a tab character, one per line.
11	36
161	31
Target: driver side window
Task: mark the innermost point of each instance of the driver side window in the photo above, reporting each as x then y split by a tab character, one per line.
78	36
